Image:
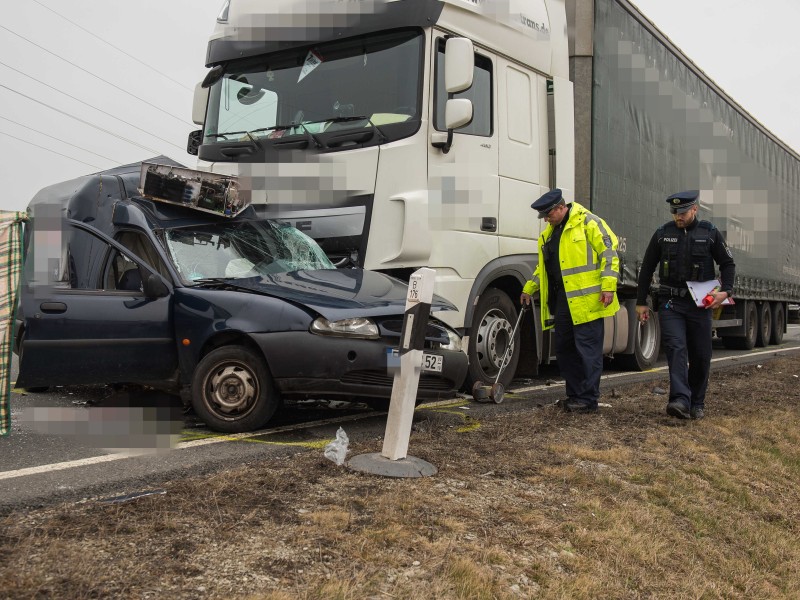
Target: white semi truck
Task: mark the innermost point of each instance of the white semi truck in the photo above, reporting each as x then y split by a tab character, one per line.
410	133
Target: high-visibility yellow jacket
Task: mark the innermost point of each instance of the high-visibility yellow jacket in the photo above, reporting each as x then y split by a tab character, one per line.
587	252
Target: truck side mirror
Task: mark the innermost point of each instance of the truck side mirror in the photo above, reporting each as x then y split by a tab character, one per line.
459	64
199	104
459	67
457	113
194	142
154	287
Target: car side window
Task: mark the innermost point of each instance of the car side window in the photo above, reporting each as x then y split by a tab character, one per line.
121	272
480	93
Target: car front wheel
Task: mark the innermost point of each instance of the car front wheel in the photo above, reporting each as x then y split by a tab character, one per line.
232	390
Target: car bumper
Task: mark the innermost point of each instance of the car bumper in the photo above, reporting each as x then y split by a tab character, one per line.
305	365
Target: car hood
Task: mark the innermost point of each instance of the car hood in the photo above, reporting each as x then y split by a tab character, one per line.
339	293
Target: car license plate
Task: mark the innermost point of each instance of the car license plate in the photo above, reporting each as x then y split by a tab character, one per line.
432	362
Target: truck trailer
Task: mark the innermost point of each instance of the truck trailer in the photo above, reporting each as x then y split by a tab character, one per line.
409	133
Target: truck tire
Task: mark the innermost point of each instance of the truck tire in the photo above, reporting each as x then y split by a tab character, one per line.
232	390
764	325
778	323
490	335
751	330
646	344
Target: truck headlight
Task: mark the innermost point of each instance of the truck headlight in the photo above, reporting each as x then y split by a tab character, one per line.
358	327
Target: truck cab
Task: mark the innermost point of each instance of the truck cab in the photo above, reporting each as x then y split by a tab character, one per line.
403	134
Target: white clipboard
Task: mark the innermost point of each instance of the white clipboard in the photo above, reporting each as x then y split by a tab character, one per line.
700	289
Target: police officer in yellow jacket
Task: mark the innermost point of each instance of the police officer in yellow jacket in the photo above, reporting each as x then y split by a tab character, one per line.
576	278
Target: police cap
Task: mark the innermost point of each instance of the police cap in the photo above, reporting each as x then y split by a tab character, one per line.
682	201
547	202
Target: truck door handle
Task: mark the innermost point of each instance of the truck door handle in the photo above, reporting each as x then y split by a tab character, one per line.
488	224
236	151
53	307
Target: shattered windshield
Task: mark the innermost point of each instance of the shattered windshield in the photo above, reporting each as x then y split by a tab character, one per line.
364	82
241	250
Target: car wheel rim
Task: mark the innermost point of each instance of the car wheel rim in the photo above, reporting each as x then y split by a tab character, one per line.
493	340
231	390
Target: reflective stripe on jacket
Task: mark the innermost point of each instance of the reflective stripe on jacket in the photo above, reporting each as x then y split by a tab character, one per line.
589	265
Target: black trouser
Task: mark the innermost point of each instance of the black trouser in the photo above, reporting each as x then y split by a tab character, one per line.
579	352
686	337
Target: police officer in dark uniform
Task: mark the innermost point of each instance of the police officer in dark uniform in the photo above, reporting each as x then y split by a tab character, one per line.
685	249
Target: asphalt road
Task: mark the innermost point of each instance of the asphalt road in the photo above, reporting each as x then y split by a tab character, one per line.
61	449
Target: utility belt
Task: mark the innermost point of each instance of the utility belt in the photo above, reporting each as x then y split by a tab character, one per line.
665	290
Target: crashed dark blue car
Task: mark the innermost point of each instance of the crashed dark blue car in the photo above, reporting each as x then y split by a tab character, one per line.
233	314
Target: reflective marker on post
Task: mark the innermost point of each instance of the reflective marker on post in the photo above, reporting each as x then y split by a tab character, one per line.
406	381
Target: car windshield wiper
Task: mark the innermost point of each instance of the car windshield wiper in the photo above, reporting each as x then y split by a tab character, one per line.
216	282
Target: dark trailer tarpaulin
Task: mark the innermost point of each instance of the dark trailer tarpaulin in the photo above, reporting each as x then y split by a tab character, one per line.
660	125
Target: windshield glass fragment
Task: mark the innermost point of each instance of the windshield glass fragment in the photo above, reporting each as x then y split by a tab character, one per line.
242	250
364	82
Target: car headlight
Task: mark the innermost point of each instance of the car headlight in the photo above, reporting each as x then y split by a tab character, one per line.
455	341
358	327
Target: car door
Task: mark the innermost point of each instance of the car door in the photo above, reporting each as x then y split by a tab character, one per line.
94	324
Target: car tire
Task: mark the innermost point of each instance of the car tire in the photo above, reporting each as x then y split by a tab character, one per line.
37	389
233	391
490	334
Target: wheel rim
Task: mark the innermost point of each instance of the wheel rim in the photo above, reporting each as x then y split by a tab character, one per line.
231	390
493	341
646	337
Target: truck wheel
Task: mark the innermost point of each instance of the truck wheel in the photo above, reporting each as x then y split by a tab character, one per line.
778	323
764	325
232	390
646	344
490	337
751	331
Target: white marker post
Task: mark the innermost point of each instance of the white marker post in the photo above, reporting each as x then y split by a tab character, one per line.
406	382
393	461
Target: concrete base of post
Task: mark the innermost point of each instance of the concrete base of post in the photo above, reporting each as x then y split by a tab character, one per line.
377	464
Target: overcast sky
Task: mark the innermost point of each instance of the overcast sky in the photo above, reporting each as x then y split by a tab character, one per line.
86	85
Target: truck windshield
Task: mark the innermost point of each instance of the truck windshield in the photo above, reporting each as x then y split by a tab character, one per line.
320	88
237	250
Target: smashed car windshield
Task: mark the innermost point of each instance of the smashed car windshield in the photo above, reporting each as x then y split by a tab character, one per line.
241	250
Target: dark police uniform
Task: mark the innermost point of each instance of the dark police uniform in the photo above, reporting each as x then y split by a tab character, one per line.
681	255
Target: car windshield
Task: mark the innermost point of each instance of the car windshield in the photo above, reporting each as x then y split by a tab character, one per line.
367	81
235	250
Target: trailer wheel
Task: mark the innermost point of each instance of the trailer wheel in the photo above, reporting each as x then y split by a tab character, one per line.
490	337
232	390
646	345
764	325
778	323
751	330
